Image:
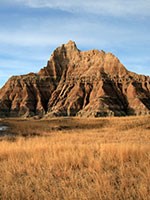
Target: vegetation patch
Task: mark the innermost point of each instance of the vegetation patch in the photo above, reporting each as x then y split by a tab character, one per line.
95	159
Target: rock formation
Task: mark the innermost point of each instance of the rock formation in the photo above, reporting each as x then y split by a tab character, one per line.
75	83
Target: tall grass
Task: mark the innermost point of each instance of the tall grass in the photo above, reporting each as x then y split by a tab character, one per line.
109	161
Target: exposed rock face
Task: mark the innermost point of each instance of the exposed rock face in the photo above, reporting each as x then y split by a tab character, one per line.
75	83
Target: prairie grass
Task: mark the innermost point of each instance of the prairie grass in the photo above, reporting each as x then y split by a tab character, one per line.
76	159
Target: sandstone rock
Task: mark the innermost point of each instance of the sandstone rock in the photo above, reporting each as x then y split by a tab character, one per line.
75	83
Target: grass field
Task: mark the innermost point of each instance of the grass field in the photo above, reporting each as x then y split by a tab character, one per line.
76	159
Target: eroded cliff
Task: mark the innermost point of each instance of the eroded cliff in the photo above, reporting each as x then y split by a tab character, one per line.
75	83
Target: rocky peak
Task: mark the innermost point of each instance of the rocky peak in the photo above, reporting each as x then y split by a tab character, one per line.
71	45
77	83
69	48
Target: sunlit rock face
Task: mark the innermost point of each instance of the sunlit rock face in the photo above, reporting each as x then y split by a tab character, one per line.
75	83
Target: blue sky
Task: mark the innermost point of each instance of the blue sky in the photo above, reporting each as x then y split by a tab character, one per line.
31	29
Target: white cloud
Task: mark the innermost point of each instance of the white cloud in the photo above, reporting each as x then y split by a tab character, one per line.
98	34
109	7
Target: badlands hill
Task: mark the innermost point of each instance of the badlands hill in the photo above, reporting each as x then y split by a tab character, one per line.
75	83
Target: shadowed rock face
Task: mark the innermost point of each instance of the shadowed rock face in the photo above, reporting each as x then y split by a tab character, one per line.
75	83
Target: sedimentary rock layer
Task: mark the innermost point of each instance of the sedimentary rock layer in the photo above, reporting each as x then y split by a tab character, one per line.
77	83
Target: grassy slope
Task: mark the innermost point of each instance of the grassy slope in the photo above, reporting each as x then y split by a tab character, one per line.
76	159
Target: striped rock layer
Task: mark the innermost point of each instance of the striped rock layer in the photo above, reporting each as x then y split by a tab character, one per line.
77	83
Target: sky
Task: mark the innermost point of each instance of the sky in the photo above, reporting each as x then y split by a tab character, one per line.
31	29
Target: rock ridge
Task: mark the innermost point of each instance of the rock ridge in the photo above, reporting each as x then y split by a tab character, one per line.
77	83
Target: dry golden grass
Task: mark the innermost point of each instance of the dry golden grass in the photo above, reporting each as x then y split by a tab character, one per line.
76	159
